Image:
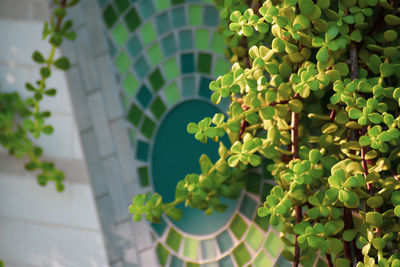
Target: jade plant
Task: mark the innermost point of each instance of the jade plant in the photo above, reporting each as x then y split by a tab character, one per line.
315	92
20	120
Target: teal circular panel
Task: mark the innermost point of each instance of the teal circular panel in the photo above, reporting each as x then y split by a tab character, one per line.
176	154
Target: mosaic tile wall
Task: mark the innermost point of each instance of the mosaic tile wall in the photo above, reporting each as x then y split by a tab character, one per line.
166	52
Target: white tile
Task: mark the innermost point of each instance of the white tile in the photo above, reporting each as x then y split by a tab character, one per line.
13	78
77	152
62	246
22	198
12	241
148	258
59	143
83	209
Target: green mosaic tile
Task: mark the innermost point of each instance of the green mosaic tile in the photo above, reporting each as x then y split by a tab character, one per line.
143	176
156	80
171	93
148	34
248	207
208	250
222	66
263	222
110	16
144	96
266	174
238	226
171	68
192	264
273	244
162	4
148	127
190	248
122	5
202	39
142	151
122	62
224	241
218	43
120	34
158	107
176	262
176	2
132	136
254	238
162	254
155	54
174	239
253	183
132	19
134	115
262	260
195	15
241	254
130	84
204	63
265	191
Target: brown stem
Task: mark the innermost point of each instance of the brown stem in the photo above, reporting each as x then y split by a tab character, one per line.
63	5
329	260
332	116
299	217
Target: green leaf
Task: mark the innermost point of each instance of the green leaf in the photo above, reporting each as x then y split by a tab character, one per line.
386	70
45	72
48	129
211	132
349	235
247	30
332	32
192	128
322	54
356	36
355	113
38	57
374	218
233	160
254	160
306	6
62	63
296	105
268	112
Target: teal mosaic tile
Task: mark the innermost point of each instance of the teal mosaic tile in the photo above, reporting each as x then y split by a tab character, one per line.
134	46
226	262
178	17
143	173
122	5
134	115
187	63
163	24
141	67
146	9
210	16
204	63
103	2
156	80
266	174
159	228
111	47
208	250
248	207
176	262
110	16
253	183
132	19
144	96
142	151
224	241
265	191
204	89
282	262
188	86
168	45
185	40
148	127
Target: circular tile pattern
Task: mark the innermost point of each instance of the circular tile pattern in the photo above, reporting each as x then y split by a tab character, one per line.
165	53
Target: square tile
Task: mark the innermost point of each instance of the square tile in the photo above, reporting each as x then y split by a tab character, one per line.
238	226
122	62
204	89
163	24
222	66
147	32
176	262
155	55
142	151
176	2
148	127
208	249
210	16
273	244
253	183
254	238
146	9
218	43
134	46
171	68
162	4
162	254
241	255
262	260
120	34
224	241
185	40
204	63
195	15
248	207
173	239
171	93
158	107
190	248
178	17
134	115
187	63
156	80
132	19
188	86
143	176
226	262
144	96
122	5
130	84
169	45
202	37
110	16
266	189
141	67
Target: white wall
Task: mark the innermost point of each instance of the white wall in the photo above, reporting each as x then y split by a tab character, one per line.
38	225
